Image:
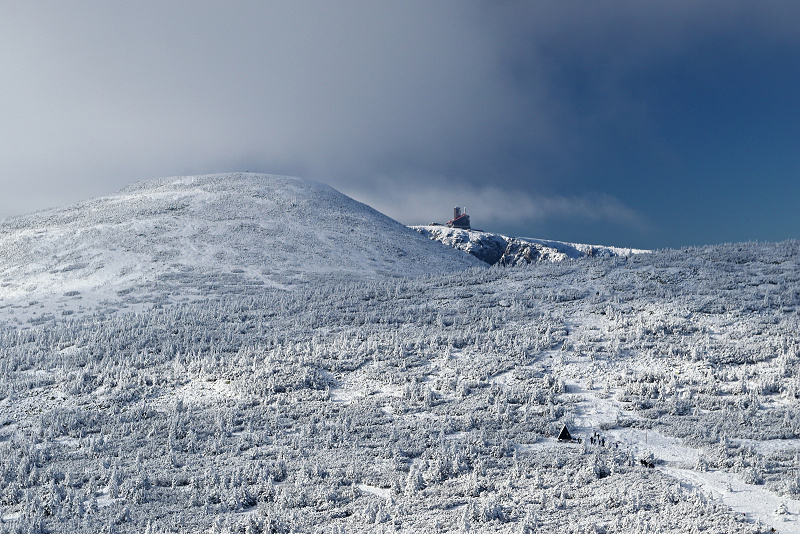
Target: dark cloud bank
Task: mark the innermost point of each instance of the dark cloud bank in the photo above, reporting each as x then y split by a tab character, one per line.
645	124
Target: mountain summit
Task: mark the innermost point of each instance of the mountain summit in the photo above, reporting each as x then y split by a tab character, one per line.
196	235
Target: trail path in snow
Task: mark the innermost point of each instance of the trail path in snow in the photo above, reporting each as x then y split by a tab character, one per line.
676	460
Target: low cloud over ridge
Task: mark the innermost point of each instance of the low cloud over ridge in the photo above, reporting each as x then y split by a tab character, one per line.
555	109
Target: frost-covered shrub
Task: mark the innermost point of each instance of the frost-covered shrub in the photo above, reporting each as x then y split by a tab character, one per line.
751	476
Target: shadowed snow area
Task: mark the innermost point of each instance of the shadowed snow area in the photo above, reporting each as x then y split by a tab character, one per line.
190	236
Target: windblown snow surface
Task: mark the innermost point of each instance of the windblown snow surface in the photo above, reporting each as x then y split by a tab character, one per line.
375	403
188	237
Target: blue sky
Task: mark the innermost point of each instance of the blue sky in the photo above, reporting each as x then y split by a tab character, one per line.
646	124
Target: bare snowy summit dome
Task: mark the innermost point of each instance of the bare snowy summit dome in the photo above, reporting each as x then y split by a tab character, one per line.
196	236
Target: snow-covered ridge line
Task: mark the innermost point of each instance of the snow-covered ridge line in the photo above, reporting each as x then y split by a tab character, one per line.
199	236
494	248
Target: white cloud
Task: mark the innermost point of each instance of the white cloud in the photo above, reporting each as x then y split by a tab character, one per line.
424	199
96	95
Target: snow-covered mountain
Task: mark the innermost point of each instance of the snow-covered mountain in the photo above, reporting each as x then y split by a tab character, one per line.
188	237
493	248
370	399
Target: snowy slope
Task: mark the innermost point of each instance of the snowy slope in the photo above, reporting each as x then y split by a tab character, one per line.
495	248
370	399
194	236
421	404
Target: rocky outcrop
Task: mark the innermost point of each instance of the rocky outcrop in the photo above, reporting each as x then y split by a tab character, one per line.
519	252
499	249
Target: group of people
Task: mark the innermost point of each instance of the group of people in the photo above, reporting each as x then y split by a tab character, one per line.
597	439
601	441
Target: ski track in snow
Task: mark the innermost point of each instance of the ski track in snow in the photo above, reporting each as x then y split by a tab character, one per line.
755	502
597	408
675	459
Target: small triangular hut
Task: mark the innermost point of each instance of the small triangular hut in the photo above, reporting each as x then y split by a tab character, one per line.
565	435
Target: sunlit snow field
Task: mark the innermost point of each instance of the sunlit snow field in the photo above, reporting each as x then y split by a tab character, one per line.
421	394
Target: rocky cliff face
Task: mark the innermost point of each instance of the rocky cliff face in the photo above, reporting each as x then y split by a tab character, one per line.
489	248
504	250
519	252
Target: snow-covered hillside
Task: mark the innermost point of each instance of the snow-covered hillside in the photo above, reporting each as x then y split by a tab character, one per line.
200	396
422	404
499	249
189	237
